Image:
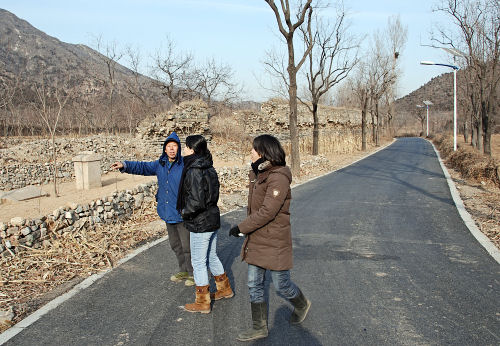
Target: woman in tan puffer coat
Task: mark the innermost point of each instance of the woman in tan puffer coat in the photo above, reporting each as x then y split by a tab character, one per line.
267	231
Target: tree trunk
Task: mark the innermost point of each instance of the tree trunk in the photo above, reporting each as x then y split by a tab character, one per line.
315	148
294	135
377	132
292	94
54	157
373	125
486	129
363	124
473	135
480	134
390	130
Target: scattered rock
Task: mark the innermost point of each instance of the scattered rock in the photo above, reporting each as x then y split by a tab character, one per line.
17	221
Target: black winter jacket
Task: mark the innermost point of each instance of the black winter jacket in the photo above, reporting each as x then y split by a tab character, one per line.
200	194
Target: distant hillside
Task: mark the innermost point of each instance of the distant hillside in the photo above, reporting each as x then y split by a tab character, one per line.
439	90
30	56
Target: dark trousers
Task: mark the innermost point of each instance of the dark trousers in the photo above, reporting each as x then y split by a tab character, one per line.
179	238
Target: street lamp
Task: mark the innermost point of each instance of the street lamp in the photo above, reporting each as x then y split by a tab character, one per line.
455	69
427	103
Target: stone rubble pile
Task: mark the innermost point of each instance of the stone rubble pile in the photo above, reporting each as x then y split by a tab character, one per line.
23	164
19	232
273	117
40	150
33	165
233	179
190	117
74	217
19	175
339	128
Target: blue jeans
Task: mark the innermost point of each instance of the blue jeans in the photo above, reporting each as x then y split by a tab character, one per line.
281	280
204	256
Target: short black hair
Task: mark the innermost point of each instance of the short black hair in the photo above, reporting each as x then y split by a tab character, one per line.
270	149
198	143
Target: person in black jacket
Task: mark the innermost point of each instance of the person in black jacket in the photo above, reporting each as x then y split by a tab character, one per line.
197	202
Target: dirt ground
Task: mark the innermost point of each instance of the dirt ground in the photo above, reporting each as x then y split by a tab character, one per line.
67	193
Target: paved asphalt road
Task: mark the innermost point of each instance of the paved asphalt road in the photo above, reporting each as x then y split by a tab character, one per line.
379	248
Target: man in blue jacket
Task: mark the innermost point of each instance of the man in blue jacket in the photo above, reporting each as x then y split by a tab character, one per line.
168	171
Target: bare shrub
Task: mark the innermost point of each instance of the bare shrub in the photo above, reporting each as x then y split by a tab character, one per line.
470	163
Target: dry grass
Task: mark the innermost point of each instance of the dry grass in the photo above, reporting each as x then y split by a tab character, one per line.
67	259
478	182
468	161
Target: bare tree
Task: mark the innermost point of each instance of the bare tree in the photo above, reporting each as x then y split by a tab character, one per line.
360	86
380	78
49	106
383	70
397	34
110	56
8	89
343	95
136	84
287	28
214	81
420	114
476	34
334	55
174	72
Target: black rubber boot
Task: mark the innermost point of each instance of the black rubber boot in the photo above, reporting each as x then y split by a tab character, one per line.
259	327
301	307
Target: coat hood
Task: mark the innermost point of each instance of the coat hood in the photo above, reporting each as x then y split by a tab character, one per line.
171	138
267	166
285	170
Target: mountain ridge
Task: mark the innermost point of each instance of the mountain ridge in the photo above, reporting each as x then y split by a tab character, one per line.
32	56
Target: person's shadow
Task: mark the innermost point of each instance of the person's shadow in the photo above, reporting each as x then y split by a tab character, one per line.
229	317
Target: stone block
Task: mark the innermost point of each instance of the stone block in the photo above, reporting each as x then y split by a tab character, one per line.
87	170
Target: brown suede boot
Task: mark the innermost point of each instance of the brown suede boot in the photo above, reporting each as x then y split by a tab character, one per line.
202	301
223	288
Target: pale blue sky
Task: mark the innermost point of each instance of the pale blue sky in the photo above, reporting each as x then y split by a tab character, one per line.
236	32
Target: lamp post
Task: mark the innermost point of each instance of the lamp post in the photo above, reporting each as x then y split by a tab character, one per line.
427	103
455	69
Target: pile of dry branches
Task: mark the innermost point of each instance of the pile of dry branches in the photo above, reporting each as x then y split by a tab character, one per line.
470	163
70	257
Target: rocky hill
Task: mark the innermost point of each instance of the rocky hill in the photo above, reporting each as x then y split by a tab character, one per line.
439	90
29	55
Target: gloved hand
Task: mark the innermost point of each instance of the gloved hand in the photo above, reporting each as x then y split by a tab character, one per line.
234	231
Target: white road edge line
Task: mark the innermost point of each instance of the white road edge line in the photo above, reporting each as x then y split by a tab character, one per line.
26	322
464	214
17	328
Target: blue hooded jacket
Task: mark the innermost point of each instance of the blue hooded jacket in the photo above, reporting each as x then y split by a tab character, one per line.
168	175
